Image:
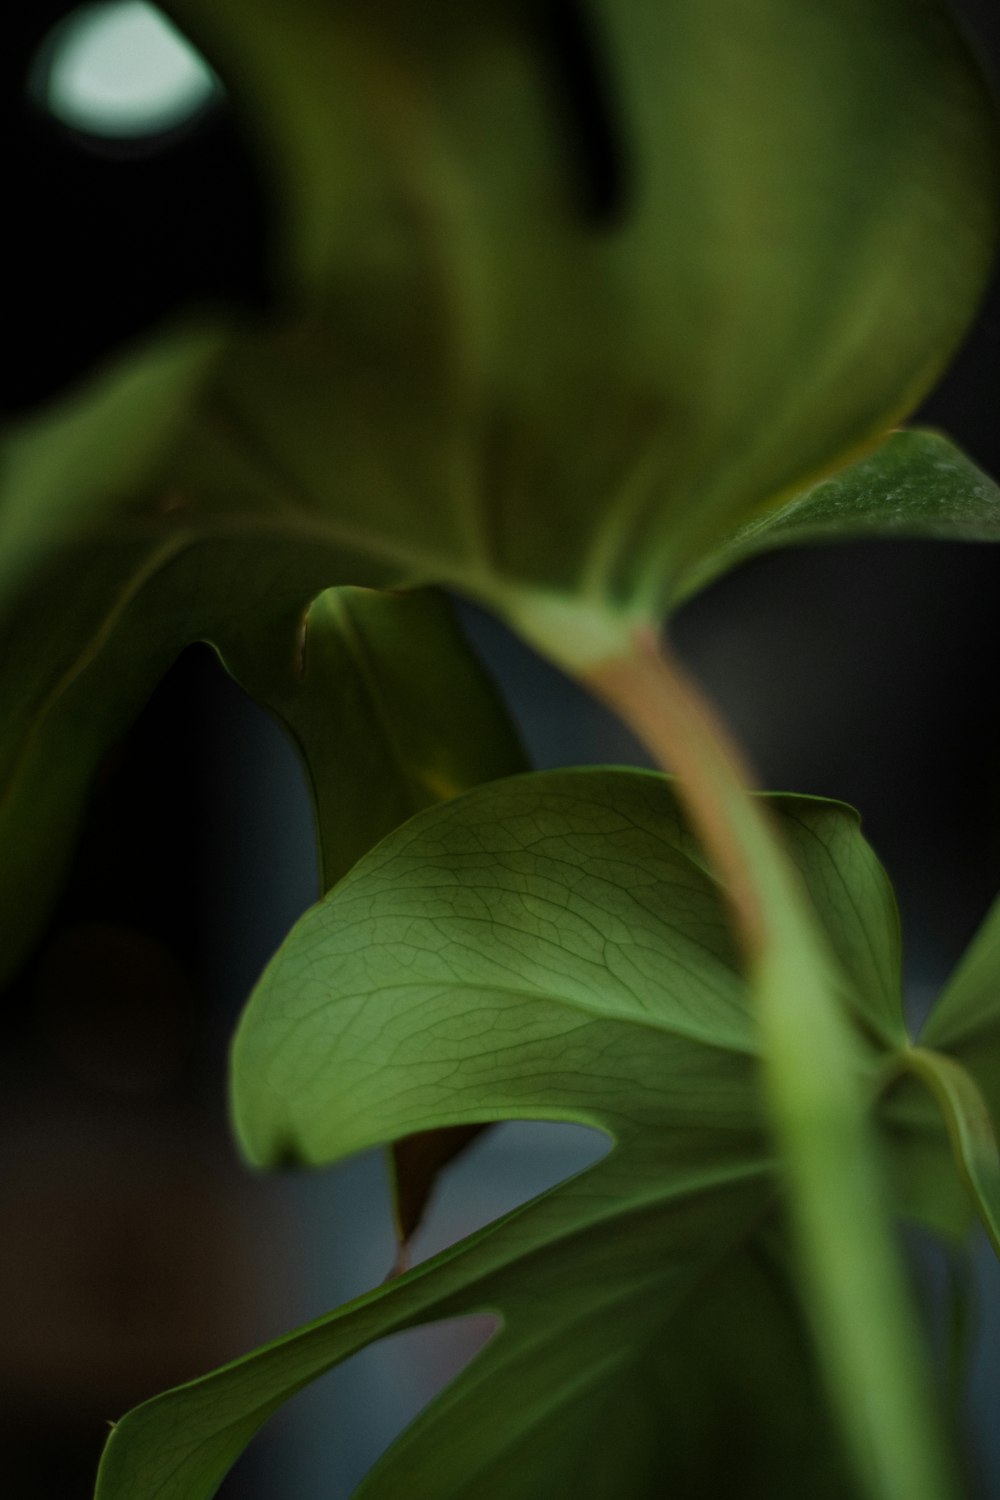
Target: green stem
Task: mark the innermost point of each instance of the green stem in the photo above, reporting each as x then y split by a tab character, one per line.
657	700
855	1289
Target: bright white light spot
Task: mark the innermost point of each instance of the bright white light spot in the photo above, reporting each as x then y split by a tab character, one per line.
121	71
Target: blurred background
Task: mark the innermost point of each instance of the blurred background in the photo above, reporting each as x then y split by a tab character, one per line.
136	1250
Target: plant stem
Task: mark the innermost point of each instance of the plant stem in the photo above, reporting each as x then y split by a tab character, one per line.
651	692
853	1285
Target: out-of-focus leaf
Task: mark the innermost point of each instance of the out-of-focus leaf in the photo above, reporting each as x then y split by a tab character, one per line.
528	396
483	386
478	384
917	484
927	1190
546	947
83	647
64	471
971	1131
965	1022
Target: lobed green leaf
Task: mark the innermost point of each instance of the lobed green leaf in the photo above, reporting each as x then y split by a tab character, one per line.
577	414
548	946
522	393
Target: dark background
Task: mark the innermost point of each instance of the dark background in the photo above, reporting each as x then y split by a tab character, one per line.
135	1252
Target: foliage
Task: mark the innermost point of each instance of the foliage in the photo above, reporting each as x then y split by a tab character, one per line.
566	918
580	309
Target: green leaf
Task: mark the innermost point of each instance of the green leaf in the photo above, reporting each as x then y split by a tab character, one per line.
544	947
389	708
386	684
970	1129
764	305
484	383
686	1317
916	484
848	885
767	301
682	378
391	713
926	1188
64	470
965	1022
538	905
504	392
